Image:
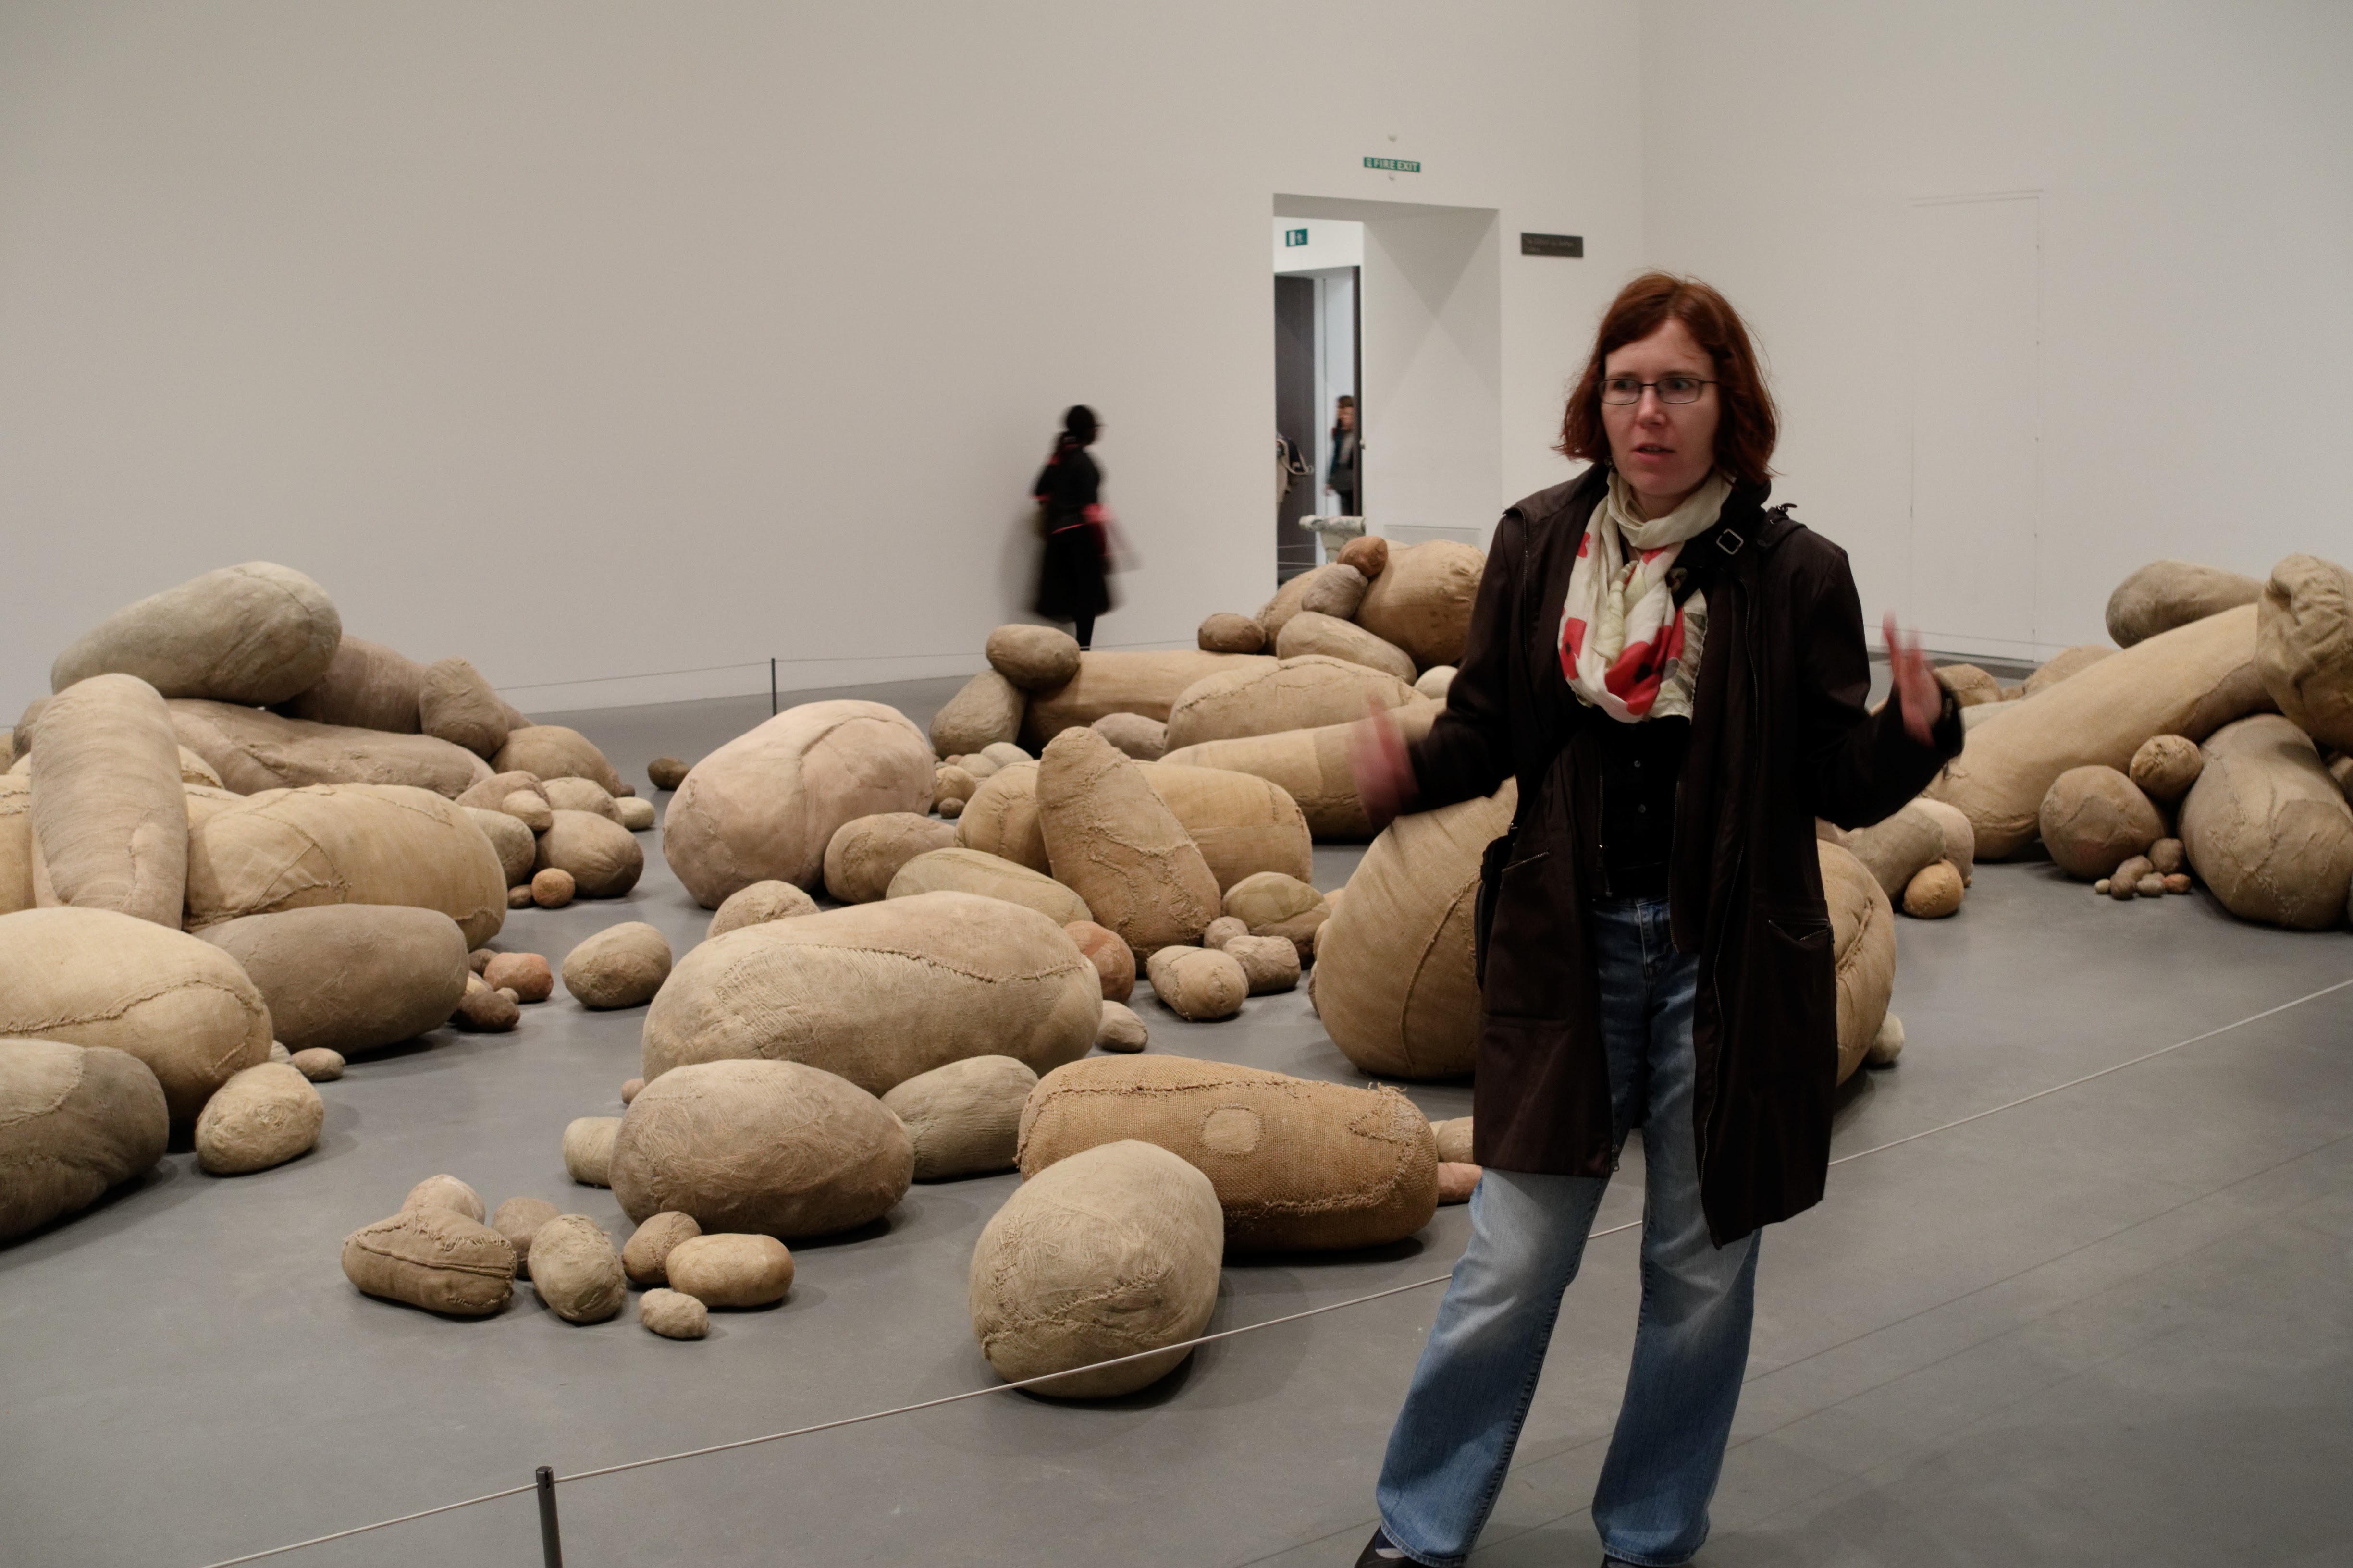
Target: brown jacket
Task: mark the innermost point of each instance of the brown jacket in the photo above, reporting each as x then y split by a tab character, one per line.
1779	736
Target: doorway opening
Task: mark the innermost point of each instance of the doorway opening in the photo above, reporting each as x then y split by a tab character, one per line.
1318	363
1396	306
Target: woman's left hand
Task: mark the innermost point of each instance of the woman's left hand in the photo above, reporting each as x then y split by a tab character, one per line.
1918	691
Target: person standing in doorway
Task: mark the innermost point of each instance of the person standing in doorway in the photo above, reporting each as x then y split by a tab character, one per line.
1676	676
1345	450
1073	578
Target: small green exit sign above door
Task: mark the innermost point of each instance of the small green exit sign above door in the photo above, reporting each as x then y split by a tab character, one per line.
1397	166
1295	236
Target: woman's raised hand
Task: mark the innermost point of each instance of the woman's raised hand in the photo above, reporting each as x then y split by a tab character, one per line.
1917	692
1383	773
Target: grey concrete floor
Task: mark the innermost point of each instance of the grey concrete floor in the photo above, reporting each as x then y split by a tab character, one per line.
2111	1325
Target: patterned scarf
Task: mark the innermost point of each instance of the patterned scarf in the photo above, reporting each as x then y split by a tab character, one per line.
1627	647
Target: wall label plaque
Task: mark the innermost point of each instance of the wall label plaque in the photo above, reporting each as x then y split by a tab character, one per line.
1396	165
1552	245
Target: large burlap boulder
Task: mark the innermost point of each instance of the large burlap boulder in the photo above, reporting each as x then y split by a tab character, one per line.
347	844
555	751
98	978
262	1117
254	750
1396	976
621	966
367	686
1034	659
603	856
879	993
1001	818
1113	841
1113	1252
1311	766
2164	595
349	977
766	804
1422	599
17	844
1309	635
964	1118
987	710
455	703
255	633
1146	683
2187	681
110	810
2304	647
1298	1165
1243	825
1896	847
1293	694
772	1147
1862	945
2265	826
957	870
2064	663
1199	984
75	1122
2095	818
435	1258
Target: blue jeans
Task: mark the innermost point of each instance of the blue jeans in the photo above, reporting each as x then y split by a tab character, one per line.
1453	1440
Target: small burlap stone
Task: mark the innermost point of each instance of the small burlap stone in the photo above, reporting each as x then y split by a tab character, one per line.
263	1117
758	904
2165	595
644	1256
1225	632
435	1258
865	853
2096	817
731	1269
964	1118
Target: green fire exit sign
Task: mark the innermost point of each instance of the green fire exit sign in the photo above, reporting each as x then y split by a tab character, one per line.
1295	236
1400	166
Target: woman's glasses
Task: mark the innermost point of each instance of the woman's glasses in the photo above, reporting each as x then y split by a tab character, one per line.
1622	390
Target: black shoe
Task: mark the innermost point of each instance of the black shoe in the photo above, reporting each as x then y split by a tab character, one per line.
1379	1553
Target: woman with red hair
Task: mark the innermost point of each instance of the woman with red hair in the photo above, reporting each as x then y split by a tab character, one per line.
1675	675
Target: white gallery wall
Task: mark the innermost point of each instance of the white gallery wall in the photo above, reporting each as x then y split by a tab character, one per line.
2049	289
595	340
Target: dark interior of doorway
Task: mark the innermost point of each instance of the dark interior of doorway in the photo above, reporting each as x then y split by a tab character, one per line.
1300	322
1294	422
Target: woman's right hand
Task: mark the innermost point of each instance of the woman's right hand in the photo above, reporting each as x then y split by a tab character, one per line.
1383	773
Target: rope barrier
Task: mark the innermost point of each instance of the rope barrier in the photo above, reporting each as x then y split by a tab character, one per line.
541	1485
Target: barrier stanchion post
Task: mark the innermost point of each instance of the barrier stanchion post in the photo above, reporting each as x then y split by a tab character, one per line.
550	1541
